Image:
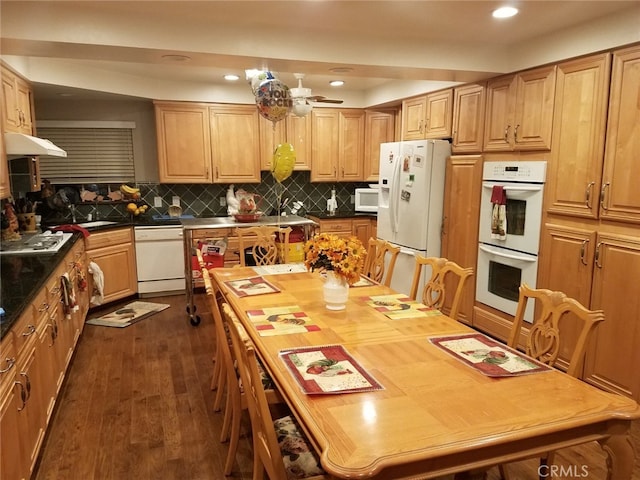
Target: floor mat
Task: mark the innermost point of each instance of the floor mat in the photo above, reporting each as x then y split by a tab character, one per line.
128	315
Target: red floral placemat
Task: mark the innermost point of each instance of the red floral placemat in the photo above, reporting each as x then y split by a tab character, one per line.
250	286
488	356
327	369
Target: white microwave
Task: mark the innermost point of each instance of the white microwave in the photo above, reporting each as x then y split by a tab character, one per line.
366	199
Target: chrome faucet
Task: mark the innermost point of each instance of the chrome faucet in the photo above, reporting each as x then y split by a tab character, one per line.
72	207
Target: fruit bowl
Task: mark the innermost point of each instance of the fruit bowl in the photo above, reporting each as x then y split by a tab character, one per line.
247	217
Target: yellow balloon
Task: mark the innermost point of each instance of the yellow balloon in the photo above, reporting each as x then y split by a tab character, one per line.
284	159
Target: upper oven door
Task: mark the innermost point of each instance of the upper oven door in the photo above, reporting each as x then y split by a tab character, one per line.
523	214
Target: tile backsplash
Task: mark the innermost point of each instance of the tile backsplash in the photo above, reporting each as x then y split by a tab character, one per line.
203	200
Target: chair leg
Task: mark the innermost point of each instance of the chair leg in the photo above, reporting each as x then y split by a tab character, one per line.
504	473
234	439
228	417
217	403
215	379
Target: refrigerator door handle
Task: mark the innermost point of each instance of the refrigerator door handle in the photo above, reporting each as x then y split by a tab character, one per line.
394	204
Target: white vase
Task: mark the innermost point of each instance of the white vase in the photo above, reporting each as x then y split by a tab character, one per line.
336	291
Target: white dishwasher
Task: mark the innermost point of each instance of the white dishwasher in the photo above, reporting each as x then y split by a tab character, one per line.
160	260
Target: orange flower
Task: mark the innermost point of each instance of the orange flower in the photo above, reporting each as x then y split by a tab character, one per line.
345	256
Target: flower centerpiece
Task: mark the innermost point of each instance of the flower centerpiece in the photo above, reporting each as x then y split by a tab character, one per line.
328	252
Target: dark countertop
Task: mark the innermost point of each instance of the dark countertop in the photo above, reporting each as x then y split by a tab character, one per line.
23	276
338	215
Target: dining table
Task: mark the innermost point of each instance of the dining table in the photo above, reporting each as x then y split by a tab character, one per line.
388	388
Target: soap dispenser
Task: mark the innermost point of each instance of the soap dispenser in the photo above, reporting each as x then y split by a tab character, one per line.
332	204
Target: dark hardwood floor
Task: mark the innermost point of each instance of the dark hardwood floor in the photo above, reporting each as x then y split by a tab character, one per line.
136	404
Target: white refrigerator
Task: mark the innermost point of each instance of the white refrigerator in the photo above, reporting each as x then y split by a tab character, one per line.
410	203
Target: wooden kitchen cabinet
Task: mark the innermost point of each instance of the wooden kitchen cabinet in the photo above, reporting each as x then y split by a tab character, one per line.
574	174
207	143
361	228
463	185
10	404
600	269
380	127
337	145
343	227
519	111
235	143
427	116
113	251
293	130
619	196
468	118
17	102
5	185
184	142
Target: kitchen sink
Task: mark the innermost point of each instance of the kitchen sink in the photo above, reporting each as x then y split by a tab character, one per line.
96	223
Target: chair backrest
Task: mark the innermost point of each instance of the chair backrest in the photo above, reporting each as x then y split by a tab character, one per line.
433	292
265	442
374	266
543	342
262	240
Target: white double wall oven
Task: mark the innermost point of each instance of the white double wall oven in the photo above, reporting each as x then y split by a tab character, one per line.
505	263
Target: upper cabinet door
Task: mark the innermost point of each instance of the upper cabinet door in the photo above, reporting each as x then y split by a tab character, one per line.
299	135
439	114
184	145
414	113
379	128
620	199
351	157
519	113
17	103
468	118
271	135
235	143
575	170
325	144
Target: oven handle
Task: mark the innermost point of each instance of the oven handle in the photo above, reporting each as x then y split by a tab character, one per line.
516	188
514	256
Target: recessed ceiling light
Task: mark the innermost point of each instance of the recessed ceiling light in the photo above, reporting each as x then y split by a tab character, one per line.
336	83
504	12
231	77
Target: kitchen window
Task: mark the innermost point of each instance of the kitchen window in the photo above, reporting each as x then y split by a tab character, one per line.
97	152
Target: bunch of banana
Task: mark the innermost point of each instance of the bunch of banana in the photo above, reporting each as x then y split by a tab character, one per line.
130	192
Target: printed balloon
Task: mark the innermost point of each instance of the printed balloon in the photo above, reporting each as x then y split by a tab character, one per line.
273	99
284	159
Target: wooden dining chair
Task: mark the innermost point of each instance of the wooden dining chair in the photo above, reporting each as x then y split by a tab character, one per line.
374	266
434	293
270	437
544	340
262	241
229	381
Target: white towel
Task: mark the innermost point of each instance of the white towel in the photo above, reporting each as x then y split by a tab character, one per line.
97	296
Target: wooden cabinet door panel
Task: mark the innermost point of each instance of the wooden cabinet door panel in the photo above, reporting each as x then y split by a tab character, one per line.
571	275
463	183
439	114
414	113
614	351
271	135
11	465
118	264
299	135
361	228
498	126
575	169
621	199
351	145
468	118
325	145
379	128
535	96
235	143
184	143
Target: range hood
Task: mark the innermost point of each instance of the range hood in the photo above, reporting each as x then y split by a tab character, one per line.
21	144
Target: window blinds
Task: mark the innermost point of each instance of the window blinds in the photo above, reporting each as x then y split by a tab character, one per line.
94	155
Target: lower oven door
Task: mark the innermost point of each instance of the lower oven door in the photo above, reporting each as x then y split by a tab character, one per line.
499	276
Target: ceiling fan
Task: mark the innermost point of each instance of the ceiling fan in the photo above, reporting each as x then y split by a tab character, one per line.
302	98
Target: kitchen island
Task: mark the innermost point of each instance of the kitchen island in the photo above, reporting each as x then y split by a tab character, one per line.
191	225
